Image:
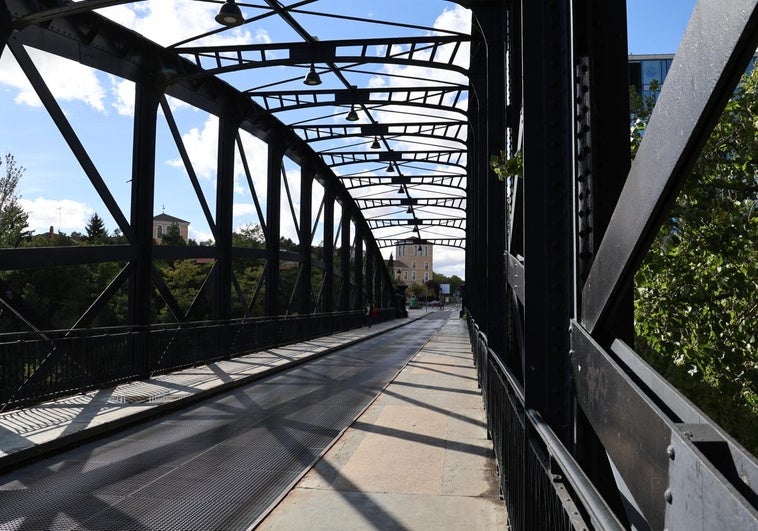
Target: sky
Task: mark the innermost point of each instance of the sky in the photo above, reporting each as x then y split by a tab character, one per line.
56	192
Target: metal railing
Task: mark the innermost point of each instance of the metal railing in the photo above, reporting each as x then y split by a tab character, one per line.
542	485
41	366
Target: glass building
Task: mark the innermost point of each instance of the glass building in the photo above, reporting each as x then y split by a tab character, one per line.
643	69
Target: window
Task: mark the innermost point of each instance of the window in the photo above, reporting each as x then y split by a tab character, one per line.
426	265
426	277
413	265
413	275
405	275
159	232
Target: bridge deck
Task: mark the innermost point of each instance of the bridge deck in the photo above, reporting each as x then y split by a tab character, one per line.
414	459
417	458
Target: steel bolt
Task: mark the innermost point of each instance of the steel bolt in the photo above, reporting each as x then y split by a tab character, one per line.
669	497
670	452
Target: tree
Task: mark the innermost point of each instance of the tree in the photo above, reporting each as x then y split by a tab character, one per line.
695	303
249	236
434	288
13	219
391	269
96	231
173	236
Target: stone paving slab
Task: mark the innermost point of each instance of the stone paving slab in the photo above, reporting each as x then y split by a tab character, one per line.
30	432
418	458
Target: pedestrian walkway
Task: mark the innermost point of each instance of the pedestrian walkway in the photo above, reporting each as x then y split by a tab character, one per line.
418	458
30	432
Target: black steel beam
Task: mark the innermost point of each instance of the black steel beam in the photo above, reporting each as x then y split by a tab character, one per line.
69	135
344	300
31	257
227	135
142	199
6	27
273	225
681	469
175	133
327	288
360	288
548	210
305	303
714	52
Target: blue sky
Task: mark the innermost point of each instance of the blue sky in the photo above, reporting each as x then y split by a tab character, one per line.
56	191
657	26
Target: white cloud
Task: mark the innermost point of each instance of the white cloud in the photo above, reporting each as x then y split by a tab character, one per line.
202	148
123	93
167	22
67	80
64	214
244	209
199	236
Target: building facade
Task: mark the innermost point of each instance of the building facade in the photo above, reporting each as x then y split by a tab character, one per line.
162	222
644	69
413	261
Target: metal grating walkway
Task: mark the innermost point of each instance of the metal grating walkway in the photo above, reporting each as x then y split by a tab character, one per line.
219	464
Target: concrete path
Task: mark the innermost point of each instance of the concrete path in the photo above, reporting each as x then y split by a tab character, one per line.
418	458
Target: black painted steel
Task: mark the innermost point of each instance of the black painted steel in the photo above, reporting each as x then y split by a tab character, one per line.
543	486
698	85
37	366
552	249
547	188
220	464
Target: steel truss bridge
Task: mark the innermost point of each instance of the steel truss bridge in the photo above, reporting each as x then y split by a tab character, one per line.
391	138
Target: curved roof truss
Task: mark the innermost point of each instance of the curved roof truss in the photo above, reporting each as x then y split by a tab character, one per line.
406	80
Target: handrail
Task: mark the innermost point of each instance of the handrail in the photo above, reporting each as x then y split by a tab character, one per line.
600	514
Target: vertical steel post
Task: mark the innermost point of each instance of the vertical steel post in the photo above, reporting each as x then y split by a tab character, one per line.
548	212
5	26
142	197
602	112
358	268
327	290
370	281
474	272
602	164
344	302
489	81
227	132
273	225
305	304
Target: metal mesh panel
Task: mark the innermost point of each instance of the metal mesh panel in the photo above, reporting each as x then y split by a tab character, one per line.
218	465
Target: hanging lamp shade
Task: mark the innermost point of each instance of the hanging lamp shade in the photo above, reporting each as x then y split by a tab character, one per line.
409	211
230	14
312	78
391	169
375	144
352	116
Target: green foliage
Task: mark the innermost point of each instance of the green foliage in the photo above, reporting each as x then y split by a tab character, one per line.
696	307
391	270
433	288
13	218
455	281
96	231
173	236
419	290
249	236
184	278
505	166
